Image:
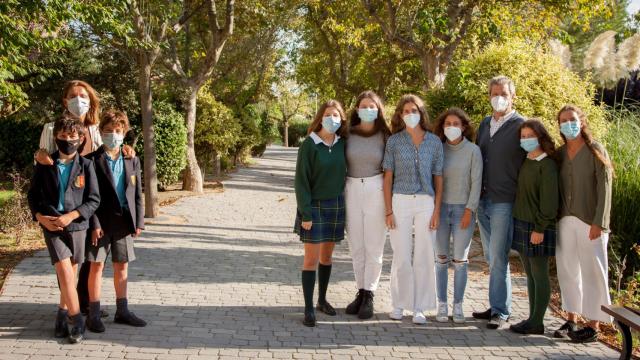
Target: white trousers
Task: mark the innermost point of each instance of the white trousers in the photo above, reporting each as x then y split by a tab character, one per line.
366	230
413	277
582	269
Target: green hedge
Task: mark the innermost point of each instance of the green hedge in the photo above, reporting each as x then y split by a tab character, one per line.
543	86
170	141
297	132
19	139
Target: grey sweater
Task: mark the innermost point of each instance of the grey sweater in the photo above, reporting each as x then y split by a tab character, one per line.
364	155
462	174
502	157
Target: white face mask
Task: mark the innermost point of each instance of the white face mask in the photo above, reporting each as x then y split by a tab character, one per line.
411	120
452	133
78	106
499	103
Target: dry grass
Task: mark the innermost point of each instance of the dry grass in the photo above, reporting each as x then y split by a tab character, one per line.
11	254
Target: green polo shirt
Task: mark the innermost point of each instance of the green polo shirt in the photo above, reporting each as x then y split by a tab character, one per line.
321	171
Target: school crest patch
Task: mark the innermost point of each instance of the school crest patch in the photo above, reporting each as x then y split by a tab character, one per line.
133	180
79	182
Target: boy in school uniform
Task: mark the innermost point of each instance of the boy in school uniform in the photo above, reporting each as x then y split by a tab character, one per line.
118	219
62	198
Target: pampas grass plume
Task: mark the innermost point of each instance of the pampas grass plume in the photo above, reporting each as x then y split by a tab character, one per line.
562	51
630	52
599	50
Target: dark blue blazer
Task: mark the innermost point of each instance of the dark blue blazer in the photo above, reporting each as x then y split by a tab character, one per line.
110	205
82	193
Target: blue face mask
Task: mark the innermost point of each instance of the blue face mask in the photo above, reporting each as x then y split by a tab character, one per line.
529	144
368	115
411	120
570	129
331	124
112	140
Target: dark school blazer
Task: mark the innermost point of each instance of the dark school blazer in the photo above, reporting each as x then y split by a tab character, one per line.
82	193
110	205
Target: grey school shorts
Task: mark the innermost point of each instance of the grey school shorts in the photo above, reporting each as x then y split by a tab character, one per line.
65	244
120	247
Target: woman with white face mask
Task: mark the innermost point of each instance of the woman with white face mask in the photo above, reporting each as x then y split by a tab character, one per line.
320	217
364	198
462	183
585	192
412	164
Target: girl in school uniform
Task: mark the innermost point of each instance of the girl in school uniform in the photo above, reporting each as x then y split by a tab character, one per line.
585	192
534	220
368	133
412	164
462	174
319	186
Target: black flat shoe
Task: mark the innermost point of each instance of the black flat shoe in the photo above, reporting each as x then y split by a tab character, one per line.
485	315
61	328
326	308
354	307
95	325
76	335
103	313
309	319
129	319
528	329
584	335
516	327
366	309
565	329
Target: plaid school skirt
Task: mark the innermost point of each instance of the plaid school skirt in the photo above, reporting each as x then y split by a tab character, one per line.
328	220
522	240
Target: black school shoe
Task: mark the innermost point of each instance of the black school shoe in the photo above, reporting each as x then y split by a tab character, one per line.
95	325
585	335
85	311
527	329
309	319
484	315
354	307
366	309
326	308
565	329
61	328
76	335
129	318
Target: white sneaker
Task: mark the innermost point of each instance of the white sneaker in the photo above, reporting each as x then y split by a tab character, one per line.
419	318
443	312
396	314
458	314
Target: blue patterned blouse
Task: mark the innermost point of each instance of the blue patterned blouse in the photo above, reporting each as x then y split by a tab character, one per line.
413	168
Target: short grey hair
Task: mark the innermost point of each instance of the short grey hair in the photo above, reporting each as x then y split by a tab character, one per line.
502	80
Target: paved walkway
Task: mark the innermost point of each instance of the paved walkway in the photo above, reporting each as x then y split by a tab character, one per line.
224	283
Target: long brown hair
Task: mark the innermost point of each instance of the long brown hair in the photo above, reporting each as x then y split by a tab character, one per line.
397	124
93	115
468	132
544	139
380	124
316	124
585	132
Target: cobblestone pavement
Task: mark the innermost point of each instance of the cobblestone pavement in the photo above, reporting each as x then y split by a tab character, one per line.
222	280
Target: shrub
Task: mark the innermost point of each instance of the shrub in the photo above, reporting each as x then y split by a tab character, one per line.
543	86
621	143
217	131
297	131
19	140
15	216
170	141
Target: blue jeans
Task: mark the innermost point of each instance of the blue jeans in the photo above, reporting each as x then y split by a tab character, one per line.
496	232
450	217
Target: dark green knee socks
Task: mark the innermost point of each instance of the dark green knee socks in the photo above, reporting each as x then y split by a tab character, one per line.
538	286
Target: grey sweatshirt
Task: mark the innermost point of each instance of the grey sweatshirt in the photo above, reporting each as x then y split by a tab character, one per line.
462	174
364	155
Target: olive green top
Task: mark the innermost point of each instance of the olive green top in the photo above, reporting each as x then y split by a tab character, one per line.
321	172
585	186
537	198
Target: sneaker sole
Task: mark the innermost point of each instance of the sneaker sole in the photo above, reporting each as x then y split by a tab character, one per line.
420	322
442	319
459	321
394	317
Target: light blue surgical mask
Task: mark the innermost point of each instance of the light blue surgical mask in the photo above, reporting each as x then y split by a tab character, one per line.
411	120
331	123
368	115
570	129
112	140
529	144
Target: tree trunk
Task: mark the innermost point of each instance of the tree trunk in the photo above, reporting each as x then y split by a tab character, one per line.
216	163
192	178
148	133
286	133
